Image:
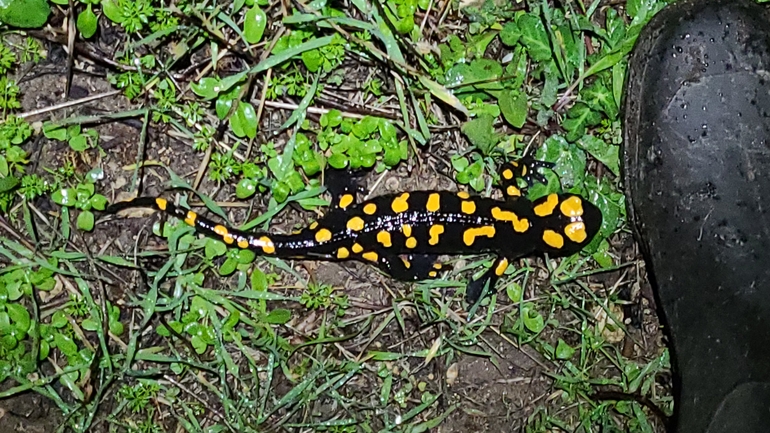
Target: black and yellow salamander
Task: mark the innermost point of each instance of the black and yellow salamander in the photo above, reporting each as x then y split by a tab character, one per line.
404	233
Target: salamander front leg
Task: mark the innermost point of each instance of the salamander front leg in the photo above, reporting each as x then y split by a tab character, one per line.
475	288
525	169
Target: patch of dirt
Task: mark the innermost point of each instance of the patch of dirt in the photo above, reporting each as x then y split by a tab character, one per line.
496	394
29	413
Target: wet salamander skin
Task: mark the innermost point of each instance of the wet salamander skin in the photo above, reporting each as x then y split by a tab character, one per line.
403	233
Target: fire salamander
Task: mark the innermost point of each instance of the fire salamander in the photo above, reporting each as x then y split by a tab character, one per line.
404	233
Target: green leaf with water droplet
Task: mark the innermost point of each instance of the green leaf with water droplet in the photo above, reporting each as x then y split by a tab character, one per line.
532	319
64	197
563	350
244	121
254	25
513	105
207	88
246	188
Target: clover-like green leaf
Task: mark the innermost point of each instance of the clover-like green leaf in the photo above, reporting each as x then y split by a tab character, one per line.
228	267
563	350
254	25
20	318
246	188
65	344
26	14
87	22
207	88
513	105
86	220
244	121
532	318
113	11
214	248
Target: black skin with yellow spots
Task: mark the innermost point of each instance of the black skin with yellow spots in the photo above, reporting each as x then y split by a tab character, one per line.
404	233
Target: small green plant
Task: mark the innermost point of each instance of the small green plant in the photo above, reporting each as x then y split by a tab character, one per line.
9	95
13	133
84	198
7	57
133	16
139	396
165	95
469	173
132	82
323	296
78	139
223	167
289	83
360	144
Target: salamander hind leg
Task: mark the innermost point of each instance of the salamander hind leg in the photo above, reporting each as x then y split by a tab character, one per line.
414	267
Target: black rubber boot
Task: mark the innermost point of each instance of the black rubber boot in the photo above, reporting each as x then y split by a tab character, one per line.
697	176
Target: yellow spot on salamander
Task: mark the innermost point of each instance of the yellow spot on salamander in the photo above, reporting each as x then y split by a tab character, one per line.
323	235
546	208
470	235
190	218
228	238
468	207
411	242
400	203
432	274
313	225
343	253
576	231
383	237
162	203
370	208
434	232
371	256
267	245
434	202
406	229
520	225
572	207
346	200
220	230
355	224
463	195
513	191
406	262
437	266
357	248
243	243
553	239
507	174
502	265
